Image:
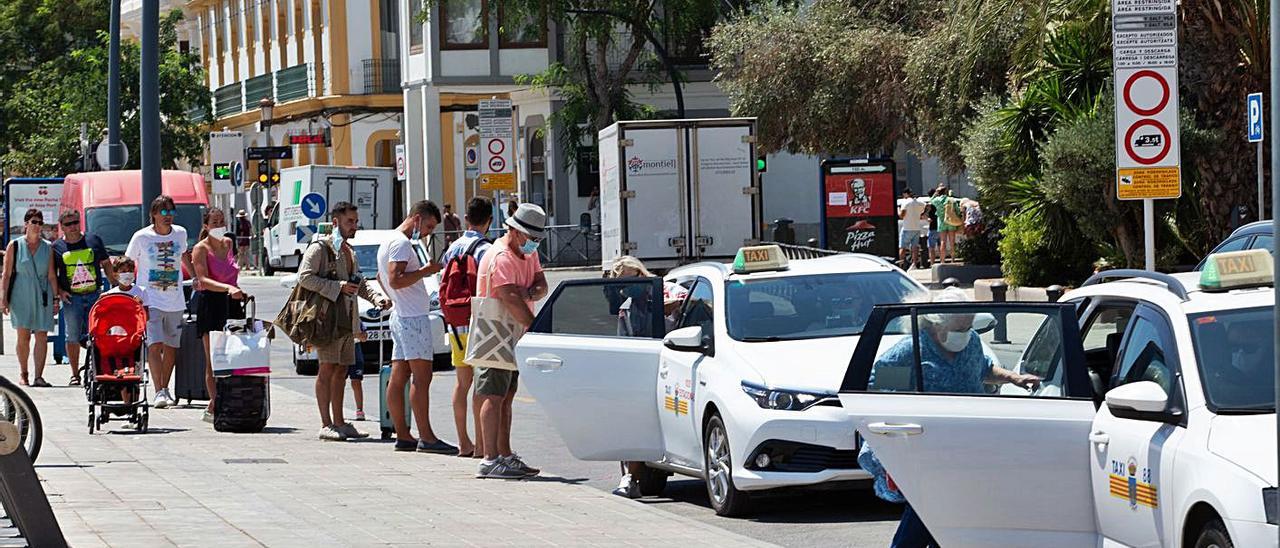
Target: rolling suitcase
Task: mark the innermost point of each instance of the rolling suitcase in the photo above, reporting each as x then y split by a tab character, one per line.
188	372
243	404
384	418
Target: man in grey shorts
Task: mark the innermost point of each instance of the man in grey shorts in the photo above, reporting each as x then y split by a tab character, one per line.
158	249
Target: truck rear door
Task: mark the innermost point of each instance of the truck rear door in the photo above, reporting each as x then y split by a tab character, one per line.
655	205
724	192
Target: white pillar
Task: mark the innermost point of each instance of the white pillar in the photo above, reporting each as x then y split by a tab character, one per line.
433	187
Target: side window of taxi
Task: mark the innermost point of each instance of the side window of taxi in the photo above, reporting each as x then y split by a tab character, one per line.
943	352
625	308
699	308
1145	357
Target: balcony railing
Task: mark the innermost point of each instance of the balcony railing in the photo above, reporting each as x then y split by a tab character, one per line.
296	82
381	76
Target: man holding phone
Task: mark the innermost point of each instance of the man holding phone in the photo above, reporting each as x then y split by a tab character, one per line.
401	272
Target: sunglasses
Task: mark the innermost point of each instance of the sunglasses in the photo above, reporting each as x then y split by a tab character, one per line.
167	212
35	222
71	223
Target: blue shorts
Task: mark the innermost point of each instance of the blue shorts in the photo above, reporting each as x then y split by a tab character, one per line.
908	239
76	314
355	371
935	238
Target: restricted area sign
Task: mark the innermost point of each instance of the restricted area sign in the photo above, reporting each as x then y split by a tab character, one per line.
497	168
1146	61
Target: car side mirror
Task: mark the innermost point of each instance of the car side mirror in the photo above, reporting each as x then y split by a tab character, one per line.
1142	397
688	339
984	322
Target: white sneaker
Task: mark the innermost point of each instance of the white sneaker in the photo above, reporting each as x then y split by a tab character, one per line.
628	487
173	402
329	433
162	399
349	431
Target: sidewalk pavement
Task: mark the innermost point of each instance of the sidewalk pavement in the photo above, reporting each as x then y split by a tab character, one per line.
183	484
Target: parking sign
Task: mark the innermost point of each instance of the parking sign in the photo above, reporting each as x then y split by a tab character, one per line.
1255	117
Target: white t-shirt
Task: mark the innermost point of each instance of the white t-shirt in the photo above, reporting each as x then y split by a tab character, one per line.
159	260
134	290
914	208
412	301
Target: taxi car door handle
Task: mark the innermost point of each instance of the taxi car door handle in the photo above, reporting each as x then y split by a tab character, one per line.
1100	438
895	429
544	364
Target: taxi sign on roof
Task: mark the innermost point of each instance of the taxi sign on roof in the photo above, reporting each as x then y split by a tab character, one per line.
759	259
1237	269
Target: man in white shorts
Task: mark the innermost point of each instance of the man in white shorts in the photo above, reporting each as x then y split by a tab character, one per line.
401	272
157	249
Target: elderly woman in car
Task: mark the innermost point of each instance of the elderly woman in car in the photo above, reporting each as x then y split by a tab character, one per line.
952	360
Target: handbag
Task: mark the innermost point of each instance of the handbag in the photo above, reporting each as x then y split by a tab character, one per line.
493	332
951	213
310	319
243	347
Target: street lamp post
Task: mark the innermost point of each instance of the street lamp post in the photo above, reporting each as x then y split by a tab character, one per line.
149	106
266	108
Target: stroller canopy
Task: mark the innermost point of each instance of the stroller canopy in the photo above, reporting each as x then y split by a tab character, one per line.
117	324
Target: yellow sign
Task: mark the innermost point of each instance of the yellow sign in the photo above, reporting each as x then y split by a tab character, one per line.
498	181
1144	183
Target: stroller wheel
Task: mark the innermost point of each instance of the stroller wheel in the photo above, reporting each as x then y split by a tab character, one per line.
92	420
142	422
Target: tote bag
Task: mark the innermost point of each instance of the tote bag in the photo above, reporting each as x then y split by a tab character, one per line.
493	332
242	348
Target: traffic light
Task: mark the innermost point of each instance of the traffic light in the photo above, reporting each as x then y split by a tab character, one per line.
762	164
275	177
264	172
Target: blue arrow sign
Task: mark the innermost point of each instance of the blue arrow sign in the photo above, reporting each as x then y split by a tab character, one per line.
304	232
1255	117
237	174
313	206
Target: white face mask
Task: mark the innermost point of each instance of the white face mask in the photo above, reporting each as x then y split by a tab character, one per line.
126	278
955	341
218	232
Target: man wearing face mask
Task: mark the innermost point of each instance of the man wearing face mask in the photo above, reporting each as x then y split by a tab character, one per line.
333	254
512	273
401	272
1247	381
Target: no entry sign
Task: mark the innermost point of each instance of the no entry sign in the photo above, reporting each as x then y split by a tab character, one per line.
1146	69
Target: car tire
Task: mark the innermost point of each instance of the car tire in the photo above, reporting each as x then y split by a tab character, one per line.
266	266
1214	535
717	468
653	482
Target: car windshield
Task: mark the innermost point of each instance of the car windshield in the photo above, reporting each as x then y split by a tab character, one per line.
1236	354
116	224
809	307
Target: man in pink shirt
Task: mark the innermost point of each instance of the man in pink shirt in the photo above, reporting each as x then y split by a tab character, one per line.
515	278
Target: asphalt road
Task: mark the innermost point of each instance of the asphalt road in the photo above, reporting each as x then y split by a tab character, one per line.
799	518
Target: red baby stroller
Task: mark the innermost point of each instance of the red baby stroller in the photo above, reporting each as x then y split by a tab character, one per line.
115	375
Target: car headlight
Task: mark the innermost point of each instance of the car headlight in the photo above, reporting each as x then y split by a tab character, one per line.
1269	505
782	399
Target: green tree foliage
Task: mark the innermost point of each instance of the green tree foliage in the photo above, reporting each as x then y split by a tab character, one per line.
45	107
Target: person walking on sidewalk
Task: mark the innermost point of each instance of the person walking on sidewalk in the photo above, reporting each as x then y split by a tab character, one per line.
479	215
27	296
82	262
401	272
244	233
512	273
217	285
911	213
158	250
334	253
452	225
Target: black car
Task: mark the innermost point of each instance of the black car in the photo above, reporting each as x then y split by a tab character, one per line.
1255	235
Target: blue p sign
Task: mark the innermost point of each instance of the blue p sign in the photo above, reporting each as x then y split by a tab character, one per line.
1255	117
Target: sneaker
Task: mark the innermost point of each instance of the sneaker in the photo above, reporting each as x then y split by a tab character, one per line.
359	415
162	399
329	433
628	487
515	463
350	431
499	469
406	445
439	447
208	416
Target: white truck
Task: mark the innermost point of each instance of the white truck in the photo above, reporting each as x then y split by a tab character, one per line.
678	191
372	189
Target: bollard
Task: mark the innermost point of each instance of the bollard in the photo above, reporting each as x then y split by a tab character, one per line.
1054	292
951	282
783	232
999	294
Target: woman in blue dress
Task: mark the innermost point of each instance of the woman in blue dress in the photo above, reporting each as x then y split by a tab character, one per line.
29	294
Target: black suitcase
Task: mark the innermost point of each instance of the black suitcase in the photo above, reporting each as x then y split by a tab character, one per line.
188	372
243	404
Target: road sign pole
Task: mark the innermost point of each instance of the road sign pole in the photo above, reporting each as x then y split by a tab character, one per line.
1149	232
113	89
149	106
1275	192
1261	187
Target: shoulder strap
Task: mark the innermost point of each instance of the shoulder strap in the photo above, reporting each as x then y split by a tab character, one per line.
471	249
487	276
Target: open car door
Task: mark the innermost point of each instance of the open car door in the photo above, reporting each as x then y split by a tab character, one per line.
591	361
981	464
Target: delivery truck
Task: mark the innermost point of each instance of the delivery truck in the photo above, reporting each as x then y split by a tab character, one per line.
678	191
290	228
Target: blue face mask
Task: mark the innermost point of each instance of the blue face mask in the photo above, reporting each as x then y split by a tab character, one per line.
529	247
337	240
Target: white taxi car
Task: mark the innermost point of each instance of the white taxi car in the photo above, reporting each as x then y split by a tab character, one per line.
375	321
741	391
1154	424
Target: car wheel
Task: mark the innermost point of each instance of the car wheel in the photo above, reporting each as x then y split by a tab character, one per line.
717	468
653	482
266	266
1214	535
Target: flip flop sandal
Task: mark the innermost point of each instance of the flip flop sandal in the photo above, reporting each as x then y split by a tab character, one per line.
41	383
75	381
24	381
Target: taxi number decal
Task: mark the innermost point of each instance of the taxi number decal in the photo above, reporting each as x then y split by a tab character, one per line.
1125	483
